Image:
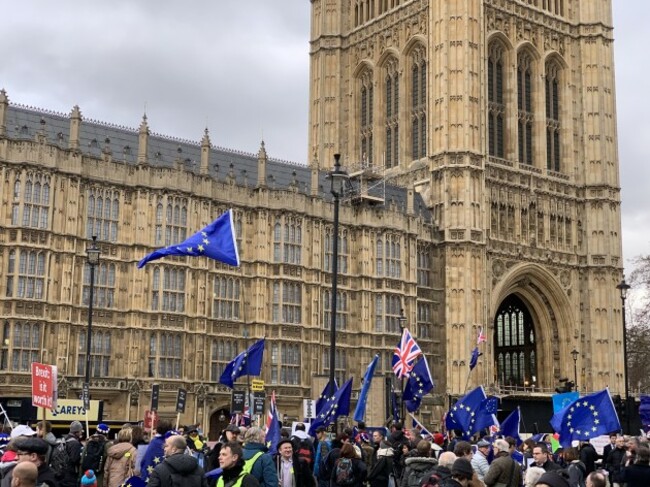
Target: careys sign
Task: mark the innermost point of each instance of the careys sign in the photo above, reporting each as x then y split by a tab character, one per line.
72	410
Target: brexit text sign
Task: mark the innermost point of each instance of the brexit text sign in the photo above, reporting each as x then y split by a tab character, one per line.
43	386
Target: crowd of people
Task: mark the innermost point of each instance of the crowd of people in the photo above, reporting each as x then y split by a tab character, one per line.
395	457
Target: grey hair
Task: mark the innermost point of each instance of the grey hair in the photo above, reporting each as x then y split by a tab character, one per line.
254	435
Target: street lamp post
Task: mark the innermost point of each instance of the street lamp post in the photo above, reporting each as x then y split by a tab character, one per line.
574	354
402	325
623	288
92	255
337	186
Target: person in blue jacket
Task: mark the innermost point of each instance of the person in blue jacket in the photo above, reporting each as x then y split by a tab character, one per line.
155	454
256	451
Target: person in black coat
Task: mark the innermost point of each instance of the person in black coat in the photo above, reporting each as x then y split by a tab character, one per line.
588	456
608	448
287	463
383	466
359	470
638	474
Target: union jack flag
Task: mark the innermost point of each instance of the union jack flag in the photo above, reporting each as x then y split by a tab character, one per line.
406	352
272	411
481	336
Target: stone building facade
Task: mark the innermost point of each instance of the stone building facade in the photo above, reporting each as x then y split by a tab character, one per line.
501	113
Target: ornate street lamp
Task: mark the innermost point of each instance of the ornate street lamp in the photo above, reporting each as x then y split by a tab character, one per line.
92	255
338	178
574	354
623	287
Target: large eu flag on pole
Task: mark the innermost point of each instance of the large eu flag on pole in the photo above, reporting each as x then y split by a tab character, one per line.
360	410
587	417
248	362
337	405
217	241
472	413
510	426
420	383
324	396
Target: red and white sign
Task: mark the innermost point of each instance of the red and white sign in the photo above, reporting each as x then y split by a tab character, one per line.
44	385
150	420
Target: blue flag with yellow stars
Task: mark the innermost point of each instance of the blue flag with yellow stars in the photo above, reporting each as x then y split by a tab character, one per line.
324	396
152	457
248	362
472	413
337	405
587	417
217	241
420	383
360	410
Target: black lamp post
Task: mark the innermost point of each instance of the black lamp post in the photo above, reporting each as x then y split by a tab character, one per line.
402	325
92	254
623	288
337	181
574	354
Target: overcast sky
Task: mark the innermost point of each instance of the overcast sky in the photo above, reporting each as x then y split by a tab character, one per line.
242	68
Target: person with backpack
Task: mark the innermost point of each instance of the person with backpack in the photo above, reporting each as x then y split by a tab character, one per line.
503	470
327	463
93	456
292	470
259	461
66	457
303	445
323	447
34	450
576	469
382	469
348	469
419	466
121	459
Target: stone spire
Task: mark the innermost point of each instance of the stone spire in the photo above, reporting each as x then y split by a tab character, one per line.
262	159
75	127
205	152
143	140
314	173
4	105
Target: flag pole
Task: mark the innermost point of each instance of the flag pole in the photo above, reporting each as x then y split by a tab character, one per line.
467	382
402	325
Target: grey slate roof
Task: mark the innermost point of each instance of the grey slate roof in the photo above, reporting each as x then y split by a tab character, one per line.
95	136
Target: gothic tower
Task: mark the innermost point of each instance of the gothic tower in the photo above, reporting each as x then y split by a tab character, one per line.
501	114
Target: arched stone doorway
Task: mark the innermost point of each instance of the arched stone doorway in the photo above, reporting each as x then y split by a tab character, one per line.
219	419
515	346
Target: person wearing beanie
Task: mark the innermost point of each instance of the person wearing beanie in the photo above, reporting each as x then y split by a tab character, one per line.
552	478
95	452
88	479
504	469
461	473
69	475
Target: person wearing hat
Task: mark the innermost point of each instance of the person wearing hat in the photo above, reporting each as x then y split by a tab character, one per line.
292	471
259	461
461	473
4	441
34	450
504	469
96	451
479	461
22	430
552	478
229	434
67	464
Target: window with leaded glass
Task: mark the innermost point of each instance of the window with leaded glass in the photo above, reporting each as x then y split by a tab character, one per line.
515	344
496	105
104	291
33	202
418	103
103	214
553	126
287	240
387	313
21	345
287	302
100	353
343	251
342	311
526	114
171	220
226	303
165	355
424	266
366	101
285	363
424	320
388	260
391	115
26	274
168	289
222	352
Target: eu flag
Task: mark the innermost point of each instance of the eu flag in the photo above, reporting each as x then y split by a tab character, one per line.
324	396
419	384
273	432
360	410
472	413
248	362
587	417
510	426
474	360
217	241
337	405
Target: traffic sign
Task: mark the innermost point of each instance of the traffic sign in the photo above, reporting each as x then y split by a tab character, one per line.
44	385
257	385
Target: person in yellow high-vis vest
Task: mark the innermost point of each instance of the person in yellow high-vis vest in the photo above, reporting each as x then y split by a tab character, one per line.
236	473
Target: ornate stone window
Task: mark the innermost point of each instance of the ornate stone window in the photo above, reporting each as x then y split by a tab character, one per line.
285	363
226	303
168	289
287	240
342	310
366	101
34	202
341	373
103	214
387	312
104	293
553	126
424	320
27	279
166	355
222	352
496	105
100	354
21	345
388	257
424	266
515	344
391	104
418	104
287	302
343	251
171	220
526	115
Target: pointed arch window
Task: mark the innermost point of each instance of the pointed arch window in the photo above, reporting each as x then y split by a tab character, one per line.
553	149
391	103
166	355
100	354
515	344
366	100
27	279
171	220
418	104
526	114
496	106
227	298
21	345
